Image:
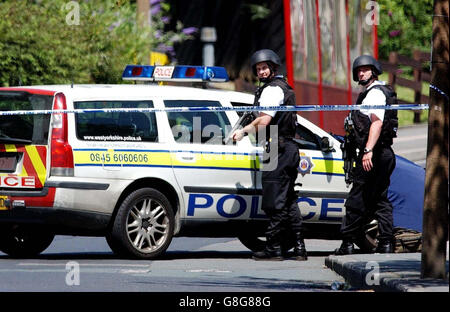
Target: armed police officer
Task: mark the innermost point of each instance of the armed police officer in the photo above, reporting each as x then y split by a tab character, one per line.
371	133
279	199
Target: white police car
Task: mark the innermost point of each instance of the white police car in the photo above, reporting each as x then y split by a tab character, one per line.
140	164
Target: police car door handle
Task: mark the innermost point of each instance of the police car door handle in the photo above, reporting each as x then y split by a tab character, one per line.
185	156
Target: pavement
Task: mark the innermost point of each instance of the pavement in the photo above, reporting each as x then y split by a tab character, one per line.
411	143
397	272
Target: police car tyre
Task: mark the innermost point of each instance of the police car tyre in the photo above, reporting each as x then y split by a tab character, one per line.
116	246
24	241
144	225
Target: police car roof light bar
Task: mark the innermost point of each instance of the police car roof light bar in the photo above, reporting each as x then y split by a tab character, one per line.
175	73
133	72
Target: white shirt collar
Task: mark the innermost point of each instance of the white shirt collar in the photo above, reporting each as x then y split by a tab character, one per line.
375	83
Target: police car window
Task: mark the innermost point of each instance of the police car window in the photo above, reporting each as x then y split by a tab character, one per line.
240	113
197	127
26	129
307	139
116	126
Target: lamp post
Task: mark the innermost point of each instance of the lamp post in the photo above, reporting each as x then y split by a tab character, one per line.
208	37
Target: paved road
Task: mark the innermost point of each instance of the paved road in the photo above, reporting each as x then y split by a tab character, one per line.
411	143
190	265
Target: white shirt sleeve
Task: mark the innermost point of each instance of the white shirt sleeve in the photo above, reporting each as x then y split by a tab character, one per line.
271	96
374	97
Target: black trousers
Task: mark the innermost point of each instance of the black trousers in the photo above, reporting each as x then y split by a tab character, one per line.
368	197
279	200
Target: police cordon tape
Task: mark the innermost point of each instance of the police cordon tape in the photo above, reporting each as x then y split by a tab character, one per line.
439	91
299	108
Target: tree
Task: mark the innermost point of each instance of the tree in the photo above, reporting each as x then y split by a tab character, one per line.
404	26
61	41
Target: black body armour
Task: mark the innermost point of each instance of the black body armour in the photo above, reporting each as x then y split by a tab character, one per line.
279	199
362	122
285	120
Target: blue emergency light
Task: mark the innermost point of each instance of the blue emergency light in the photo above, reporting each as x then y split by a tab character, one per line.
175	73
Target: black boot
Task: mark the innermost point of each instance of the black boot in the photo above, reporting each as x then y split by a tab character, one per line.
384	246
346	248
272	252
268	255
299	248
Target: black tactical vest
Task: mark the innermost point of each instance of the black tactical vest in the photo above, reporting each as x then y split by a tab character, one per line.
362	122
286	121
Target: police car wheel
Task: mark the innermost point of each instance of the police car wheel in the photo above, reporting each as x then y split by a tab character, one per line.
144	225
24	241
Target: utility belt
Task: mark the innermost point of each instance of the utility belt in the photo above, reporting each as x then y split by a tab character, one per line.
282	142
376	149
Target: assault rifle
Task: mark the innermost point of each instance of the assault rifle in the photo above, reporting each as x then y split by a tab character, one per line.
245	119
348	148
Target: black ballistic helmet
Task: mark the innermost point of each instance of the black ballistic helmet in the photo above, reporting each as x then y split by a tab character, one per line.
366	60
264	55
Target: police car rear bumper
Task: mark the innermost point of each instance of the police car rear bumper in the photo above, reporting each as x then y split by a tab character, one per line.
78	185
56	184
59	221
21	208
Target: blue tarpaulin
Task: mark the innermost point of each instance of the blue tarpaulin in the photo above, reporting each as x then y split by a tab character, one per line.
406	193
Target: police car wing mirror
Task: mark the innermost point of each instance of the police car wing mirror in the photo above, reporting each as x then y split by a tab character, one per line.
325	145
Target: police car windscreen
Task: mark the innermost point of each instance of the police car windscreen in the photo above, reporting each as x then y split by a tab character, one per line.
25	128
120	125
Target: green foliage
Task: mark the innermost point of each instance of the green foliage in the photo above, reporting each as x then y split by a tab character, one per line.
404	26
258	11
406	117
46	42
